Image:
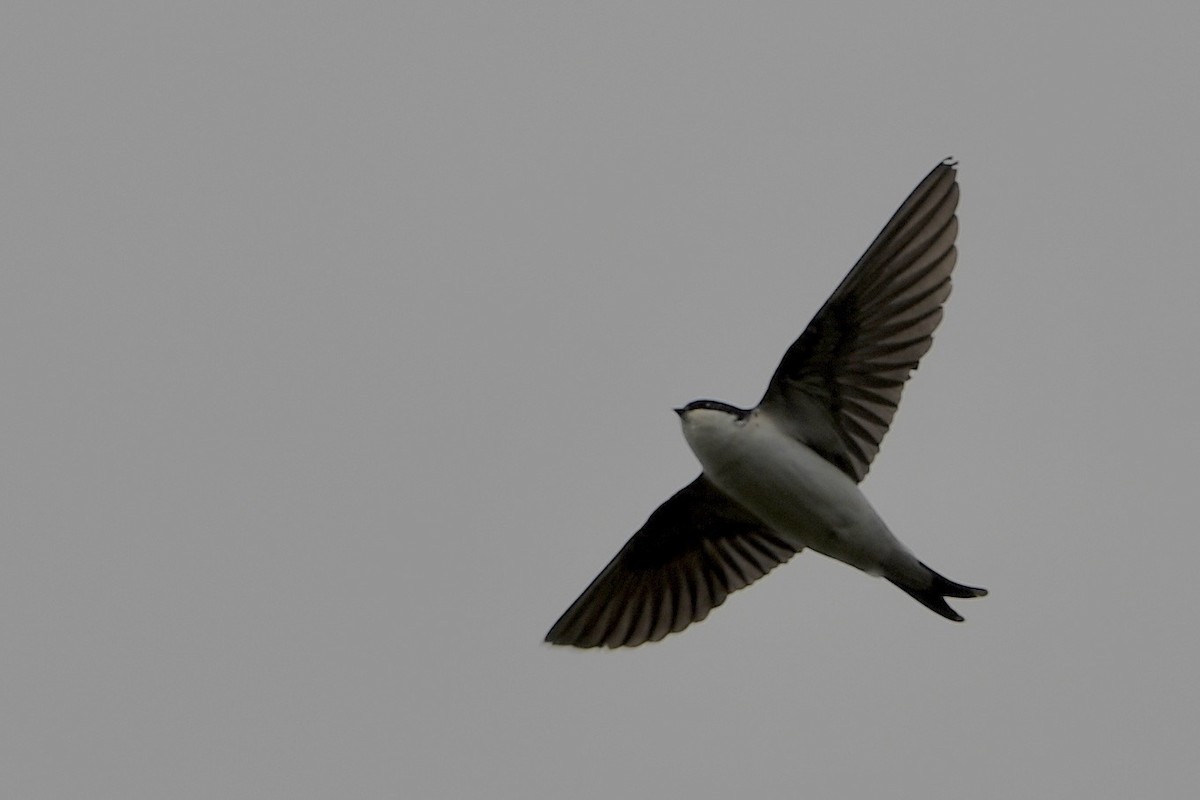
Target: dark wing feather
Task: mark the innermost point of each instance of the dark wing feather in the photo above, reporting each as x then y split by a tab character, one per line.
839	384
695	549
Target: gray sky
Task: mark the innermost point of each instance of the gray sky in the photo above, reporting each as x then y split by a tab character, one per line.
340	347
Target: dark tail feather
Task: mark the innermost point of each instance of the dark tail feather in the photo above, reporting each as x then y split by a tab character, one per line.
933	596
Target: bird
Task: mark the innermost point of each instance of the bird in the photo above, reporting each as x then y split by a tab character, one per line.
784	476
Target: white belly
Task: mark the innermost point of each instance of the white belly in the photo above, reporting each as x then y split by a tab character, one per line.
798	493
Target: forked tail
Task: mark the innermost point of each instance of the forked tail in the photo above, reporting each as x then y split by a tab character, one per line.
933	596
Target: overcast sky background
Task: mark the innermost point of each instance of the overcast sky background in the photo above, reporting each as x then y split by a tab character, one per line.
340	342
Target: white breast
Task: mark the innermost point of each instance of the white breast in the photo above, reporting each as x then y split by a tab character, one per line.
792	488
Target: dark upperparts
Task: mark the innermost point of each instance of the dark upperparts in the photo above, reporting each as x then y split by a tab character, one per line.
715	405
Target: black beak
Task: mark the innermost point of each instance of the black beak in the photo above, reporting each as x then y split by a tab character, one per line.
681	412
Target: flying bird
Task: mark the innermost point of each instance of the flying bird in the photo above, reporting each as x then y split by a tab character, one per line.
784	475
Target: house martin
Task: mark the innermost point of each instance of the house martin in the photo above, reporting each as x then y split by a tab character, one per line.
784	475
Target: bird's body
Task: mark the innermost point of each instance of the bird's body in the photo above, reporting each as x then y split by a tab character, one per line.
784	476
794	490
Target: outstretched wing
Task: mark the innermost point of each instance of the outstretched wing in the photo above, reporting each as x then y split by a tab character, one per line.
839	384
694	550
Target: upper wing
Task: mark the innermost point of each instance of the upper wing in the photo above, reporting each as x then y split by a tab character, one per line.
695	549
838	385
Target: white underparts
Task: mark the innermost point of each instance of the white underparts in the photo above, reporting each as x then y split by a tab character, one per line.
795	491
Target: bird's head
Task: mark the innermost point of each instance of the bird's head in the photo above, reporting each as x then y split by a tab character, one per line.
710	421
